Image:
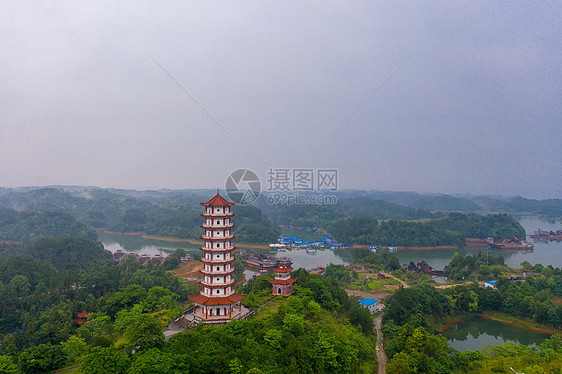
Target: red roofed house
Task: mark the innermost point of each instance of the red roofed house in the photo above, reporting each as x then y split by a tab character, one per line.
283	283
217	302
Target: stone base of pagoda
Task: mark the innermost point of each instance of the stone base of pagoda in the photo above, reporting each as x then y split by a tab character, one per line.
213	319
190	319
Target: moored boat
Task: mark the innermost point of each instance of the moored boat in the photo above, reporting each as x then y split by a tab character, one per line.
547	235
511	244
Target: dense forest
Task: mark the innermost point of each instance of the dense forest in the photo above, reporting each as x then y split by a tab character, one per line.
63	252
171	214
31	214
452	229
31	226
318	329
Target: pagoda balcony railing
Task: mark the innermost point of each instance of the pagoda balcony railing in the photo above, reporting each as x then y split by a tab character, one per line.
217	272
217	261
215	226
217	214
218	237
229	248
216	283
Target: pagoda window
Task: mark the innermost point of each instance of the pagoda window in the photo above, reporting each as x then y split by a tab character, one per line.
279	290
217	245
218	268
218	291
218	222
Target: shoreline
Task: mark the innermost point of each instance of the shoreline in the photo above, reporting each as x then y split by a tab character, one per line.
176	240
470	242
529	325
429	248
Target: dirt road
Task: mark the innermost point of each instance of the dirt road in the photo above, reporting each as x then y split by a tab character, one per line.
381	356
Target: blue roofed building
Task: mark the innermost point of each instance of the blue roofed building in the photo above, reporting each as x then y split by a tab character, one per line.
371	304
491	284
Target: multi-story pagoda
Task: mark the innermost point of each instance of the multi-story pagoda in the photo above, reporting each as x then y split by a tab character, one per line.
217	302
283	283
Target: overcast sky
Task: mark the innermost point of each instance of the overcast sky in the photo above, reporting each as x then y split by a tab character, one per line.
453	97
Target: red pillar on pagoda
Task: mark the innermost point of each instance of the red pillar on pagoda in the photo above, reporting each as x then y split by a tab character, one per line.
283	283
217	301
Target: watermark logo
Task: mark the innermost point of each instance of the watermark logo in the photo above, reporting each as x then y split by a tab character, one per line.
285	186
282	179
243	186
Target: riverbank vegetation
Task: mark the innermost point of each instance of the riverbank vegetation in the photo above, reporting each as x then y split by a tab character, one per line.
452	229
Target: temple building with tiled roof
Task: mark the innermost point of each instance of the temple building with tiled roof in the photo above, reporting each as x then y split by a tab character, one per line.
283	283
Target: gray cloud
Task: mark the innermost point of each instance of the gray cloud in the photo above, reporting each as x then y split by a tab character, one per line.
476	109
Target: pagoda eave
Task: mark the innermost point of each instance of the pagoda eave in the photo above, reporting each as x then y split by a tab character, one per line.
223	300
283	282
282	271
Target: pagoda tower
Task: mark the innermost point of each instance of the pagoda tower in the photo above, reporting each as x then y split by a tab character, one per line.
217	302
283	283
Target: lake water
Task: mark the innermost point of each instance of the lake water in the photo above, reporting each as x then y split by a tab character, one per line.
474	333
544	252
140	245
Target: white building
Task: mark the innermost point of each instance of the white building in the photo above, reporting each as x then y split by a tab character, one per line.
371	304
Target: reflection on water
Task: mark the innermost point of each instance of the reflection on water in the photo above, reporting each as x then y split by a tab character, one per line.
136	243
302	259
474	333
544	252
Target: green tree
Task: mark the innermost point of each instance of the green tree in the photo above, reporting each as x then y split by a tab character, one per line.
154	361
400	364
20	284
104	360
74	347
7	365
140	330
42	358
